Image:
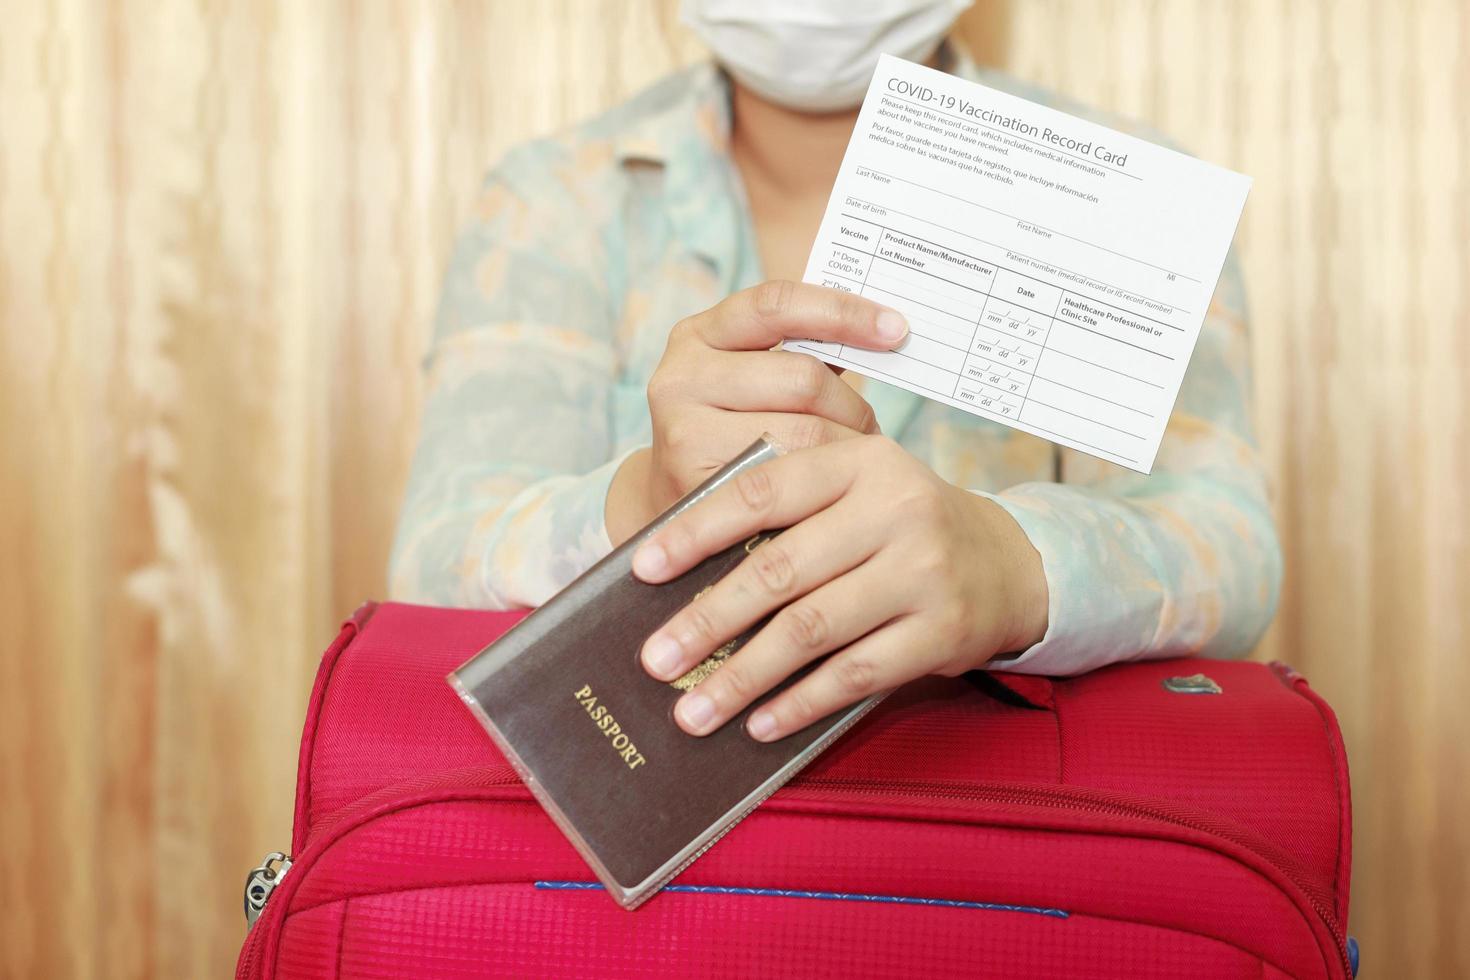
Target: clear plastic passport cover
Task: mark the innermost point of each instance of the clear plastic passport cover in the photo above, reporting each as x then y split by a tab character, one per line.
566	700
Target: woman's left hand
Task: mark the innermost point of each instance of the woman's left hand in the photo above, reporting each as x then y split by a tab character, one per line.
900	572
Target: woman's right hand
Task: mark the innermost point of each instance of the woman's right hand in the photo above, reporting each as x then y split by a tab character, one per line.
719	386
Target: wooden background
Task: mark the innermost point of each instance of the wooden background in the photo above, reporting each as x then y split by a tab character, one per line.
221	231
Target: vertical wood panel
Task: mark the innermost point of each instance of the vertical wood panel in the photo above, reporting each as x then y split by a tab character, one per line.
222	226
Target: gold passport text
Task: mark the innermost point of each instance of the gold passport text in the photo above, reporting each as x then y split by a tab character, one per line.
621	743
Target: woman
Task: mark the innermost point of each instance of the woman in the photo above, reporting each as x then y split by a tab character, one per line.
603	345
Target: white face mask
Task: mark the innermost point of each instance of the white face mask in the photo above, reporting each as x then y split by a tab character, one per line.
816	55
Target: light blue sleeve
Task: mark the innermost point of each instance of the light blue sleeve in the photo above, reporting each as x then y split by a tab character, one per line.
1183	561
505	498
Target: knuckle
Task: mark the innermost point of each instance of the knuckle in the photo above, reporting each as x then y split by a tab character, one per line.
699	623
926	546
854	674
924	501
933	559
679	436
773	569
800	709
674	377
660	386
675	453
925	504
950	621
683	330
756	490
736	681
808	378
807	627
849	310
773	297
675	538
952	667
811	432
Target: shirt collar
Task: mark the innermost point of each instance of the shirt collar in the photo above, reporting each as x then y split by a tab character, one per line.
702	107
689	137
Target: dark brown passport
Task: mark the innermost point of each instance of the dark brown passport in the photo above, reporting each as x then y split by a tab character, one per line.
566	699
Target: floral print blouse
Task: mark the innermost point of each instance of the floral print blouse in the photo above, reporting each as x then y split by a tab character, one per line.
585	248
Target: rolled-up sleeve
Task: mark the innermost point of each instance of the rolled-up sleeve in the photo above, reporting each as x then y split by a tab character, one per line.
506	494
1183	561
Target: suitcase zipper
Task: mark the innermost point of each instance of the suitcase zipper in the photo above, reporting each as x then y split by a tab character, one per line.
256	939
1026	796
261	881
494	783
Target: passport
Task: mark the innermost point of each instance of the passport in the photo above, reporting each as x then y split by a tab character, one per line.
565	698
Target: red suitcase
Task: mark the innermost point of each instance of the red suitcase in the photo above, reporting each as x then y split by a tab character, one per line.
1127	823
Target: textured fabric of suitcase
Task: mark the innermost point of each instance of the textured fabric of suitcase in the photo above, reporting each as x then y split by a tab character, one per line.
1102	825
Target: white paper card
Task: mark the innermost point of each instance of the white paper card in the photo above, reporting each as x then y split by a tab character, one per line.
1054	273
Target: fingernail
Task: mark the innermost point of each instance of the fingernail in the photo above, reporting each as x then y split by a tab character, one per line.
762	726
662	655
892	327
696	711
650	560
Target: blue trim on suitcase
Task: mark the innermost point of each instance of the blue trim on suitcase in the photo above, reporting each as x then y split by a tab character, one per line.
831	896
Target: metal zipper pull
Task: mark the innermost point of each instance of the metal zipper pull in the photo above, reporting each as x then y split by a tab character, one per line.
261	881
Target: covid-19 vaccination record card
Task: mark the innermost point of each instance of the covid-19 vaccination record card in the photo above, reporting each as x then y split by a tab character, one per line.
1055	273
